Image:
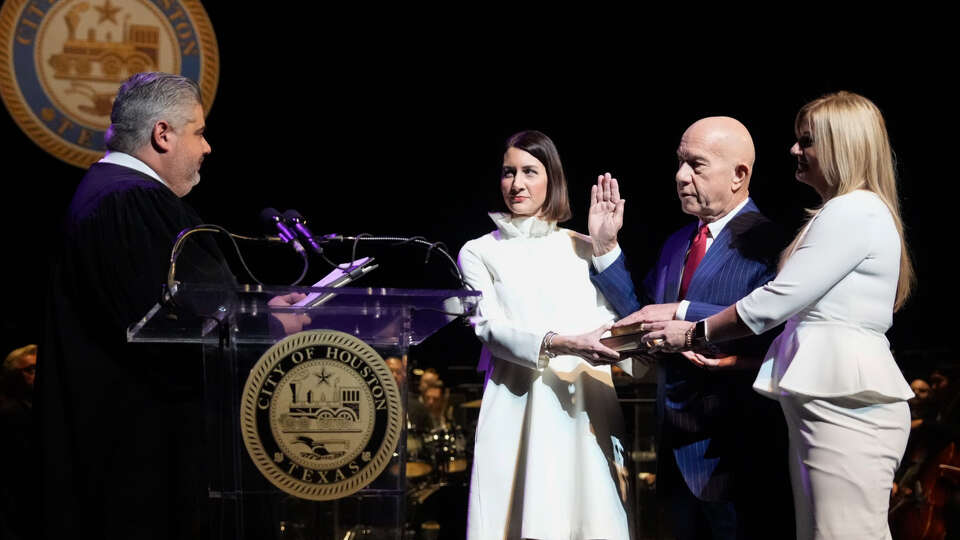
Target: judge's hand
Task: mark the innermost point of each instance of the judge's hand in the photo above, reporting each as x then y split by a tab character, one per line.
292	322
667	336
586	346
650	313
606	214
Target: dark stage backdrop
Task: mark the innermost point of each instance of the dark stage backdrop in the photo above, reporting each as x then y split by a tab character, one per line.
405	138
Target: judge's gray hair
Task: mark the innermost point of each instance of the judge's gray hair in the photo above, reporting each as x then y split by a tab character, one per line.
142	101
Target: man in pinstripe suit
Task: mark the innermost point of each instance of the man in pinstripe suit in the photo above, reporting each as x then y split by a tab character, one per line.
719	444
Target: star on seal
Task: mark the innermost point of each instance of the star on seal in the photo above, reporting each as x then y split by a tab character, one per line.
107	11
322	377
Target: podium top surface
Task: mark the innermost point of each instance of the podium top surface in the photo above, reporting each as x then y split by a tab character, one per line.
384	317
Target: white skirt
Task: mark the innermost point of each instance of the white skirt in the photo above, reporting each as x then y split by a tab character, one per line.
843	454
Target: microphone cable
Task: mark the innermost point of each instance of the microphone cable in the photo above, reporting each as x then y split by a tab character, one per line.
211	228
439	247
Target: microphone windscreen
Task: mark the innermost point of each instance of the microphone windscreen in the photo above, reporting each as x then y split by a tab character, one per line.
293	215
270	216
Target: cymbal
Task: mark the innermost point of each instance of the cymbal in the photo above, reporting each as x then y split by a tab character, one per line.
415	469
475	404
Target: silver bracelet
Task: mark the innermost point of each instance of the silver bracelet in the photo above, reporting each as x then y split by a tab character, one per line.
548	342
544	359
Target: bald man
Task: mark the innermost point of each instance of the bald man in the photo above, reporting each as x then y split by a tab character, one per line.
713	473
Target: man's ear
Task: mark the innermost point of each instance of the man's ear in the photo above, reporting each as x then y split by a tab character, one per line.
162	136
741	172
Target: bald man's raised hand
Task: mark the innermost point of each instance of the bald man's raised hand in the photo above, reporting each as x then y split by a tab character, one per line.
606	214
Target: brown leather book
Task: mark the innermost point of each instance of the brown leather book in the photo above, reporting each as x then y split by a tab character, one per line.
625	339
628	329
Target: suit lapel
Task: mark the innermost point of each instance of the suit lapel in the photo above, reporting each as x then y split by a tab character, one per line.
678	254
715	258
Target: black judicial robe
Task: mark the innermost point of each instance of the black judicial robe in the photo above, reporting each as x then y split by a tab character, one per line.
120	424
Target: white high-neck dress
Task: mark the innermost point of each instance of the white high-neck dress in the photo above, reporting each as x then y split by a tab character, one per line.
549	454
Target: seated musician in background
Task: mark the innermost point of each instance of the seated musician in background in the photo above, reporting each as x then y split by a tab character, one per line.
17	448
435	399
926	490
428	378
921	406
418	419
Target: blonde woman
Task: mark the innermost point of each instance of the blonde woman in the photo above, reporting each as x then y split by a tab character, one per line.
839	283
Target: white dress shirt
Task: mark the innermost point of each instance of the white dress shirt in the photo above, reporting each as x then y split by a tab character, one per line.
130	162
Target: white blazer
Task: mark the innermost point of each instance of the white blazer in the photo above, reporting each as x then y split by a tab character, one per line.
836	291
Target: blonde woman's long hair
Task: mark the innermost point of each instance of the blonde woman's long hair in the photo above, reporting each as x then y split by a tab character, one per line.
850	138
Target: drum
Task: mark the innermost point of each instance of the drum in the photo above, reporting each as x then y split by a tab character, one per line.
448	446
420	462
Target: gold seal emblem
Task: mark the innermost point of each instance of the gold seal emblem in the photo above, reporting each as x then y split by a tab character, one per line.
321	414
61	63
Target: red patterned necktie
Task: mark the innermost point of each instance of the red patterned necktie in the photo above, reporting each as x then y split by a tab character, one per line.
697	249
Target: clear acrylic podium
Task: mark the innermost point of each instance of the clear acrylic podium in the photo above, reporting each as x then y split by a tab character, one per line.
234	326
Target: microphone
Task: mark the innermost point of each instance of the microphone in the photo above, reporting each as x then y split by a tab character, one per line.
273	220
300	224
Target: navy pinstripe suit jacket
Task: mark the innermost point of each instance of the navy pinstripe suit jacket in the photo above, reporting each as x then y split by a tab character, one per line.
699	412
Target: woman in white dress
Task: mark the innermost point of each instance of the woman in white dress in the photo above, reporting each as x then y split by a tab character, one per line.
549	458
839	283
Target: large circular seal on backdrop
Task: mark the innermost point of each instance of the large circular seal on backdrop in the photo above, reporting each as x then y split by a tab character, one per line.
320	414
61	63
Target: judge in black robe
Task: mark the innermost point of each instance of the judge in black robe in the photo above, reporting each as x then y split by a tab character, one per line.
121	424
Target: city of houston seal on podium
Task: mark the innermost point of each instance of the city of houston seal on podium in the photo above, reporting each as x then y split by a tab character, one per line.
62	62
321	414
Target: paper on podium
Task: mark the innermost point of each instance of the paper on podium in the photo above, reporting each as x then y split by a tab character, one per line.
340	276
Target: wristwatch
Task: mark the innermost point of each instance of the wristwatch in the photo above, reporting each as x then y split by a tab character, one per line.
697	336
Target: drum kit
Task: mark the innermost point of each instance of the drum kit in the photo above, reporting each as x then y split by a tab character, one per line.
438	481
438	478
438	456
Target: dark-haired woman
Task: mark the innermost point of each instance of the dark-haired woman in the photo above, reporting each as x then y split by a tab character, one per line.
549	459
